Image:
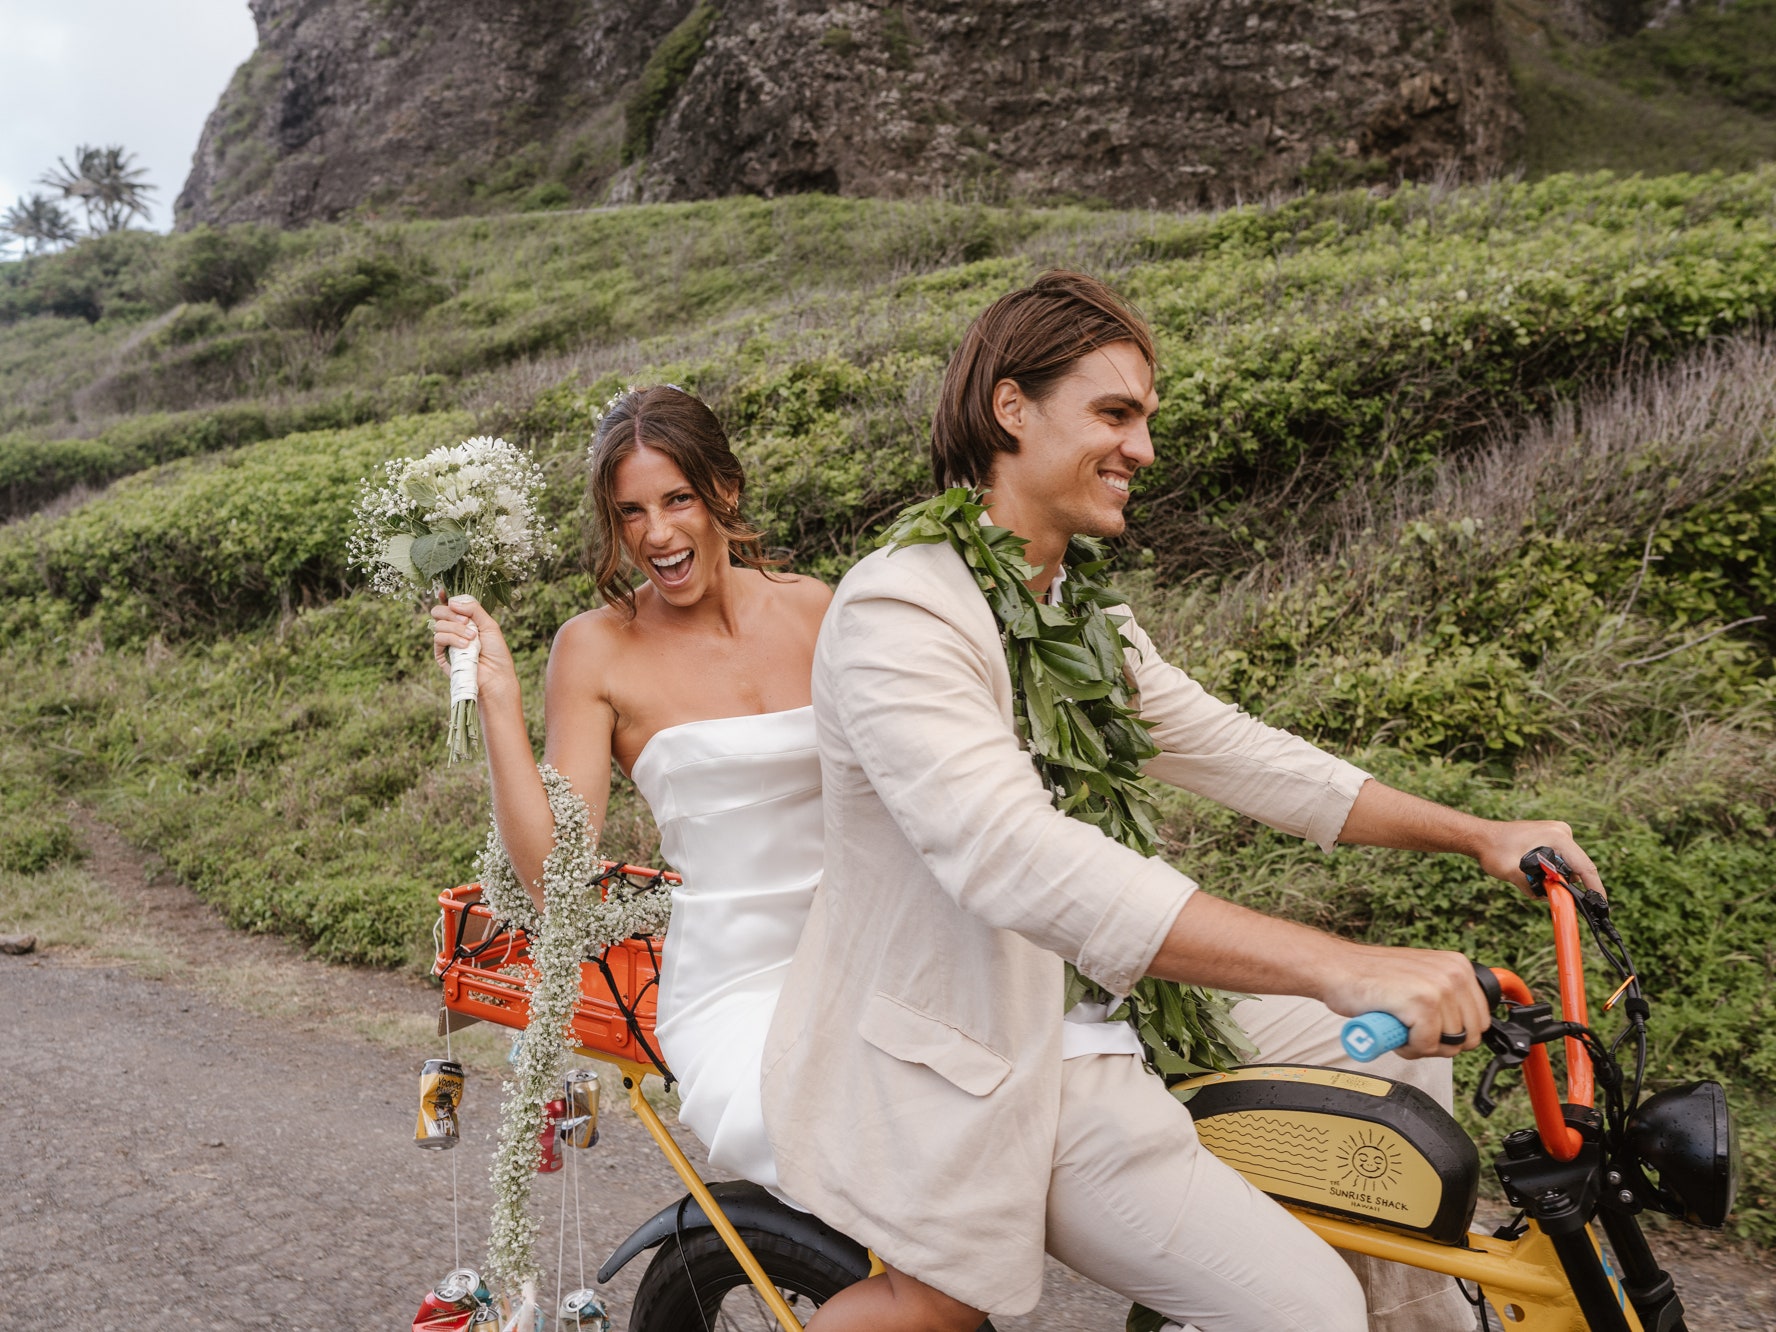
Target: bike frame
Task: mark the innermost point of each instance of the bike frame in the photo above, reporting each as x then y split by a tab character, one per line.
633	1073
1524	1279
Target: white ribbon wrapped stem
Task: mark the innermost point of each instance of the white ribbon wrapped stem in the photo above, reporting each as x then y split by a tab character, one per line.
465	673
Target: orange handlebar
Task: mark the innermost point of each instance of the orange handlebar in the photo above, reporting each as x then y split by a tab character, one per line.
1560	1138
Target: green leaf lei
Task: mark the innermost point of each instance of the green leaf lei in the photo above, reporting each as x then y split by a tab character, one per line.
1072	705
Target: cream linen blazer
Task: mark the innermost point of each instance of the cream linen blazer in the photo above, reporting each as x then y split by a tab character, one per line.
912	1071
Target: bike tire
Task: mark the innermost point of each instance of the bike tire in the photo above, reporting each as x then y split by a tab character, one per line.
694	1284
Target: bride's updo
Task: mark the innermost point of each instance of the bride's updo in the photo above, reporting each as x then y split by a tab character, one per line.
666	418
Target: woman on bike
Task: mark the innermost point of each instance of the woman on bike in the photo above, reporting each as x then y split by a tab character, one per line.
695	683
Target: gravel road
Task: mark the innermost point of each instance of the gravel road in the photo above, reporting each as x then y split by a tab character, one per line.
220	1131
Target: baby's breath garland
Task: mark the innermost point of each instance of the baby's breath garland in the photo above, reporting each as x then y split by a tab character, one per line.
1074	712
580	921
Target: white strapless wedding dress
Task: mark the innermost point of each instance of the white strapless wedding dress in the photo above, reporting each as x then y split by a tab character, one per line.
737	802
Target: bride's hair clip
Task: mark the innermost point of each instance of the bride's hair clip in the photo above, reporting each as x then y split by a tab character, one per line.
610	403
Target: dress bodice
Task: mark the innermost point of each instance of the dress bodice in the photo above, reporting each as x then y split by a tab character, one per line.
737	802
736	799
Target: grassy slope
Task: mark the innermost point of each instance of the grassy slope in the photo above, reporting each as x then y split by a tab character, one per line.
1696	94
1341	532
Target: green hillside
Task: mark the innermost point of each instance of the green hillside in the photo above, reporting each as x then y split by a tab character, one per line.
1476	483
1695	93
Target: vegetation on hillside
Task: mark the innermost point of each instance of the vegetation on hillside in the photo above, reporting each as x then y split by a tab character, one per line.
1478	484
1696	93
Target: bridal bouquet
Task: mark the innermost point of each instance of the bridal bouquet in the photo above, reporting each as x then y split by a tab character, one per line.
460	520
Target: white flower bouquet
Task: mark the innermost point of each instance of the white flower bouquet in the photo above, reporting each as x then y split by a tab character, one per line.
462	519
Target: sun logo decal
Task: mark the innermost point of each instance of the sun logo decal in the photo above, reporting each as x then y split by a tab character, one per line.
1367	1161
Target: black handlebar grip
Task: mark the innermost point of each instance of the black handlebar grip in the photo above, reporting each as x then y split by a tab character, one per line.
1488	983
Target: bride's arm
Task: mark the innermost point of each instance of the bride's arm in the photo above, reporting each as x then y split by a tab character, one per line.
579	722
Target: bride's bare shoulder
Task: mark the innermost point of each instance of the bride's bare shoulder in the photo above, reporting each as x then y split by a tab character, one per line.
807	589
592	638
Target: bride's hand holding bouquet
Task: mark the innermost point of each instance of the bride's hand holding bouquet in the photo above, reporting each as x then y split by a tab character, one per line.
461	624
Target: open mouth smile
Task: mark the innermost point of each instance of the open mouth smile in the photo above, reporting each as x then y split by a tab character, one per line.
672	570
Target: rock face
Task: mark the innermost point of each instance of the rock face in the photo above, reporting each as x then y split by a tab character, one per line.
1147	102
434	106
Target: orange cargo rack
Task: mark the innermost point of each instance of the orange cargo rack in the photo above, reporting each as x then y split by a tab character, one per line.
484	974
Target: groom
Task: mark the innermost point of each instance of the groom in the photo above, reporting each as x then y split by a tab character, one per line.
922	1090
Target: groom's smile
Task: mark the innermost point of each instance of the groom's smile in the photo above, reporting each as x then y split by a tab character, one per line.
1078	449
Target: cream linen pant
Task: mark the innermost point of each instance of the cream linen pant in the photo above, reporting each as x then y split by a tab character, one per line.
1136	1203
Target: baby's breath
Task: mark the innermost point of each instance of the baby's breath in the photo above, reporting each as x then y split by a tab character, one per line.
579	921
485	489
461	520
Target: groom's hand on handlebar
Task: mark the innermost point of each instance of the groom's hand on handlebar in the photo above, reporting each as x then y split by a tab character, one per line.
1433	993
1506	841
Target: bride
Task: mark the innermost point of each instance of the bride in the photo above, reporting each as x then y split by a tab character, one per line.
696	683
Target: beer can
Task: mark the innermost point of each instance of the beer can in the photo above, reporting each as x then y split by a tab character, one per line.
549	1140
580	1127
486	1317
583	1311
462	1288
440	1093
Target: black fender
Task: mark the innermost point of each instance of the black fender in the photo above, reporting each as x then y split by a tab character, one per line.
749	1206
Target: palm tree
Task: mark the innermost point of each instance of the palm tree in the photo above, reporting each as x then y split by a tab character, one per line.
108	187
37	224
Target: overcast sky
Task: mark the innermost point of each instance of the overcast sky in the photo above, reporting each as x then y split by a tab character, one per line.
141	73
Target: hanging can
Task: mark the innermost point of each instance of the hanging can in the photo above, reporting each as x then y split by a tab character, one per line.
580	1127
440	1093
583	1311
549	1140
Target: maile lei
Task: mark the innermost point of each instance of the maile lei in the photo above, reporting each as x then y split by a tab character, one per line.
579	922
1072	702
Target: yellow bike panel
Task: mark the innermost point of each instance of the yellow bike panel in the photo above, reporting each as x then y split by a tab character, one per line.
1329	1161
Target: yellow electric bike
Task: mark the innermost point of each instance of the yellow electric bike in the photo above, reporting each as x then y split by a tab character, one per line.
1370	1165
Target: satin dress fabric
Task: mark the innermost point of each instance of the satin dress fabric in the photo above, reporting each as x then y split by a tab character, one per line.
737	802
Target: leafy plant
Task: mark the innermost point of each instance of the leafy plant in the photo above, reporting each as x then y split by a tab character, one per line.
223	265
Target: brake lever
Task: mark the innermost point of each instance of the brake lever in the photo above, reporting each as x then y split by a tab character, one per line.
1510	1042
1511	1038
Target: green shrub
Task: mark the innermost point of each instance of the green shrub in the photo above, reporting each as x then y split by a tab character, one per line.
207	545
109	276
223	266
35	471
318	295
1721	50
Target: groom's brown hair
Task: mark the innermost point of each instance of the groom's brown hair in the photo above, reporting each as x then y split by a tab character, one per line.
1031	336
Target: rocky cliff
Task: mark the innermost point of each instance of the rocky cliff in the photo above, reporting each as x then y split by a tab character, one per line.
436	106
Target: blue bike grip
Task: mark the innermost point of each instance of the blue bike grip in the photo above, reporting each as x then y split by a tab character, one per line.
1372	1034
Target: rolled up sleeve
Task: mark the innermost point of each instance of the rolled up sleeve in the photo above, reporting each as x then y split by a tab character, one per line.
913	693
1220	751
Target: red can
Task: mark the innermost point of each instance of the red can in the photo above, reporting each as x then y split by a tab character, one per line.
441	1315
549	1140
450	1304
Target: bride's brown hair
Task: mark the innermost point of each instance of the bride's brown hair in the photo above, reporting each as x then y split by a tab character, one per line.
680	426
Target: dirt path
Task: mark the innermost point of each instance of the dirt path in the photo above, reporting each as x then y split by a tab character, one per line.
204	1123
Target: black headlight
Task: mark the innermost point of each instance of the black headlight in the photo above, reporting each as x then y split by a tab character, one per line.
1686	1134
